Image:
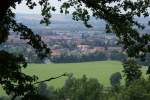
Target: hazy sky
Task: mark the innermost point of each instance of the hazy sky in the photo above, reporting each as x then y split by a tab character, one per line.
22	8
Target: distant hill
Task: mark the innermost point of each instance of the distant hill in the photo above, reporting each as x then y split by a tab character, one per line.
64	23
59	23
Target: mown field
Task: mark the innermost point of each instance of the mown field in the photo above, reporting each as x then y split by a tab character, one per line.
101	70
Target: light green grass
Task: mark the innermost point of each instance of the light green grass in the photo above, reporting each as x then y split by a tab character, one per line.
100	70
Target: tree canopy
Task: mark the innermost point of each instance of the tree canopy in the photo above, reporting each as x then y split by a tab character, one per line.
119	15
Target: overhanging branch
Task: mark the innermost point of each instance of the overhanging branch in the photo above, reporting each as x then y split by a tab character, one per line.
52	78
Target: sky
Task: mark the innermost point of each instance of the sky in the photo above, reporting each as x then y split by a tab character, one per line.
22	8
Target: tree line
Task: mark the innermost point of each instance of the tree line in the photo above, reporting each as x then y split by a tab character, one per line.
97	56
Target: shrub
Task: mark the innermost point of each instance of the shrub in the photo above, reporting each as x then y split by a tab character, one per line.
82	89
115	79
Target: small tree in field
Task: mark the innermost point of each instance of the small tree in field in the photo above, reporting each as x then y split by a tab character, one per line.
132	71
115	79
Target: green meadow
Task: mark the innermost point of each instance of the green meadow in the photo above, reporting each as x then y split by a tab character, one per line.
101	70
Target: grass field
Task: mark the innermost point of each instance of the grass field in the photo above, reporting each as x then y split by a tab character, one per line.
101	70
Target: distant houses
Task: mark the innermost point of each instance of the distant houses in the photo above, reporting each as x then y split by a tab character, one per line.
55	52
83	47
86	48
67	42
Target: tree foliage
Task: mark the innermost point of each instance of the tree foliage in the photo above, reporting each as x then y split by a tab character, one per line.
132	71
80	89
12	79
138	90
119	15
115	79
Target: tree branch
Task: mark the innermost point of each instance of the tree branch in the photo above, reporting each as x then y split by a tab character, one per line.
52	78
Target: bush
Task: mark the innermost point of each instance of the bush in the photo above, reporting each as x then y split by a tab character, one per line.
115	79
132	71
138	90
81	89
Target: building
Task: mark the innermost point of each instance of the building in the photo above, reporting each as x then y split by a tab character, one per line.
55	52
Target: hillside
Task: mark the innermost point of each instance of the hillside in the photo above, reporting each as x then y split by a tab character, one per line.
61	23
64	23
